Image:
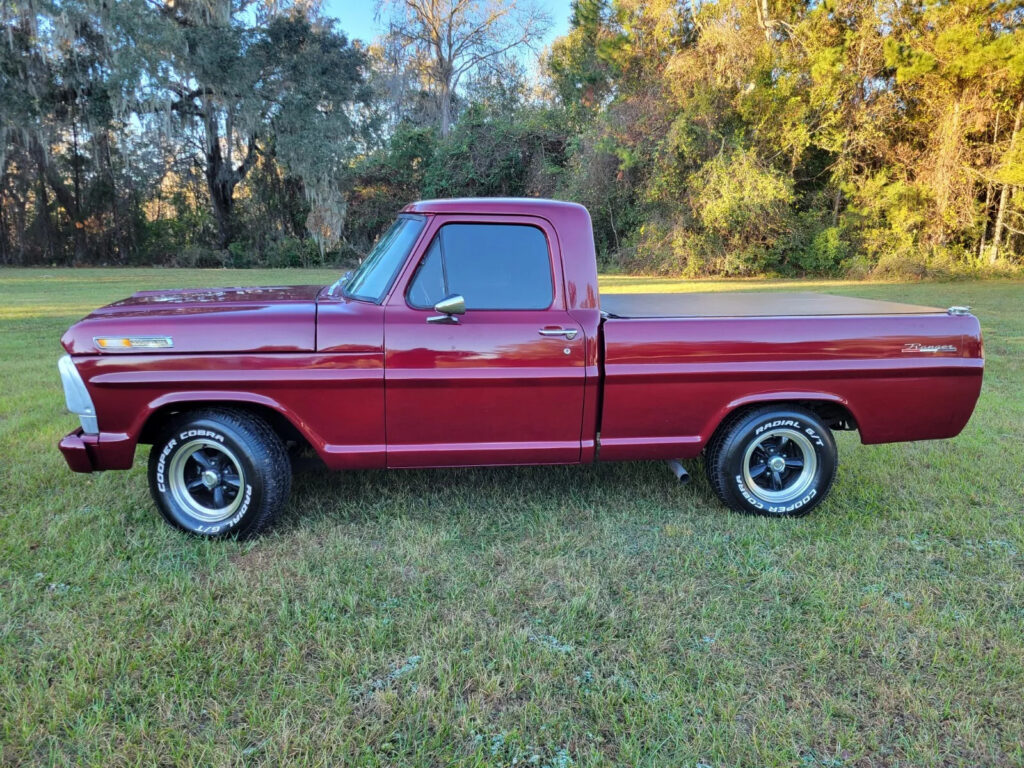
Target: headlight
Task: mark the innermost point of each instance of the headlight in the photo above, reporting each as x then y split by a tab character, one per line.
76	396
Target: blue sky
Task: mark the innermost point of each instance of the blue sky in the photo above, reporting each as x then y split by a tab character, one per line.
356	17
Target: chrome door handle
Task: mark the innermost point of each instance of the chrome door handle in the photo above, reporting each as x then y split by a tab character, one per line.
569	333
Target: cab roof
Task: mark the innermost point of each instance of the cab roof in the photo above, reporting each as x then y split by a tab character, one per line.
534	206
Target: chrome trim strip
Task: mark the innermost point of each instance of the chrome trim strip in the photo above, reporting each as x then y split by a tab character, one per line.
76	396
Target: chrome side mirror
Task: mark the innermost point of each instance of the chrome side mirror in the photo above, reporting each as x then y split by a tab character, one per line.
452	305
448	308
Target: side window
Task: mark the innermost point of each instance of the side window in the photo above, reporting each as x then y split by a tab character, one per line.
428	287
493	266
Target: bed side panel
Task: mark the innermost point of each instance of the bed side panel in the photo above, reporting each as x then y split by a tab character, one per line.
670	382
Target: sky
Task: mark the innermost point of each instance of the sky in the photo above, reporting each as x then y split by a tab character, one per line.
357	22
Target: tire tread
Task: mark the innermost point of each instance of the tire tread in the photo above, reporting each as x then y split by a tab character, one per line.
266	451
728	432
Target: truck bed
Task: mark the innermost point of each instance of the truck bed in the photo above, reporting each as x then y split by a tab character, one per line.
676	365
749	304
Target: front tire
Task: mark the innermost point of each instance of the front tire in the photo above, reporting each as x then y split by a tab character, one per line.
219	472
778	461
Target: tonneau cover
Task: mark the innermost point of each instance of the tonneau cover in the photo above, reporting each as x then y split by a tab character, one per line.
749	304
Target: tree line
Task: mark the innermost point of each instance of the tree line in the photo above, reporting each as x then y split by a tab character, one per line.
733	137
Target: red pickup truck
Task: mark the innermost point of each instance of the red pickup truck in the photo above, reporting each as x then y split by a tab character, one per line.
473	334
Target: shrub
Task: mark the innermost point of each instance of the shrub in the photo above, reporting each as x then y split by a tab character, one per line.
198	256
812	246
747	205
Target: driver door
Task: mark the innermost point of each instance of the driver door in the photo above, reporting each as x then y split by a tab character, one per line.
502	383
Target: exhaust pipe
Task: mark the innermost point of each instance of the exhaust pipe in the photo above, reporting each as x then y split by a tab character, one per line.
679	471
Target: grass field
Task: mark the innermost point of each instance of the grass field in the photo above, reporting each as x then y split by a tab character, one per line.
542	617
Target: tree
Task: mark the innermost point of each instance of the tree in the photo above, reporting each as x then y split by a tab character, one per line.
104	103
705	137
62	152
1013	170
579	64
444	40
238	88
958	70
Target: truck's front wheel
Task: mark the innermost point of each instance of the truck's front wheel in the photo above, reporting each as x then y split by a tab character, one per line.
219	472
777	461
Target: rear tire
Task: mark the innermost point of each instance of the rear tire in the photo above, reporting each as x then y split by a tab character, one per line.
778	461
219	472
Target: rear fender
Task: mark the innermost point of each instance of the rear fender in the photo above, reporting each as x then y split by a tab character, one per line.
795	397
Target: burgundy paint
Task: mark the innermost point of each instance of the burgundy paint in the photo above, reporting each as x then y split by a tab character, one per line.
717	364
278	319
374	386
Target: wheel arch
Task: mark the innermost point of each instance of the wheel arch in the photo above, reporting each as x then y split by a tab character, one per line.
834	411
284	423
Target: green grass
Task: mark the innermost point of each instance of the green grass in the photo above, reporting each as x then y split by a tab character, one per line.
535	616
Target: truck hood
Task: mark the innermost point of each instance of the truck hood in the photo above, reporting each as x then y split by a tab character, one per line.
267	319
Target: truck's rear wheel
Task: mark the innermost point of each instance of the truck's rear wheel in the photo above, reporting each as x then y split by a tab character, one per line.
219	472
777	460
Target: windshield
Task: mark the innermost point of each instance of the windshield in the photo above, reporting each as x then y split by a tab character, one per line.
374	277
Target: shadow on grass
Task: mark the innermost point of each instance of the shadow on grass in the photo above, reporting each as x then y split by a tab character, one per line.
511	501
466	495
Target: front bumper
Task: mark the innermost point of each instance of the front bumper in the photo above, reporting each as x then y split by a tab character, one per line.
76	451
93	453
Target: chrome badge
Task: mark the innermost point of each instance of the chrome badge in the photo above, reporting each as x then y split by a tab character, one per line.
915	347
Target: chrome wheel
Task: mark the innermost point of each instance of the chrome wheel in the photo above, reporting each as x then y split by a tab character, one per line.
779	465
206	479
